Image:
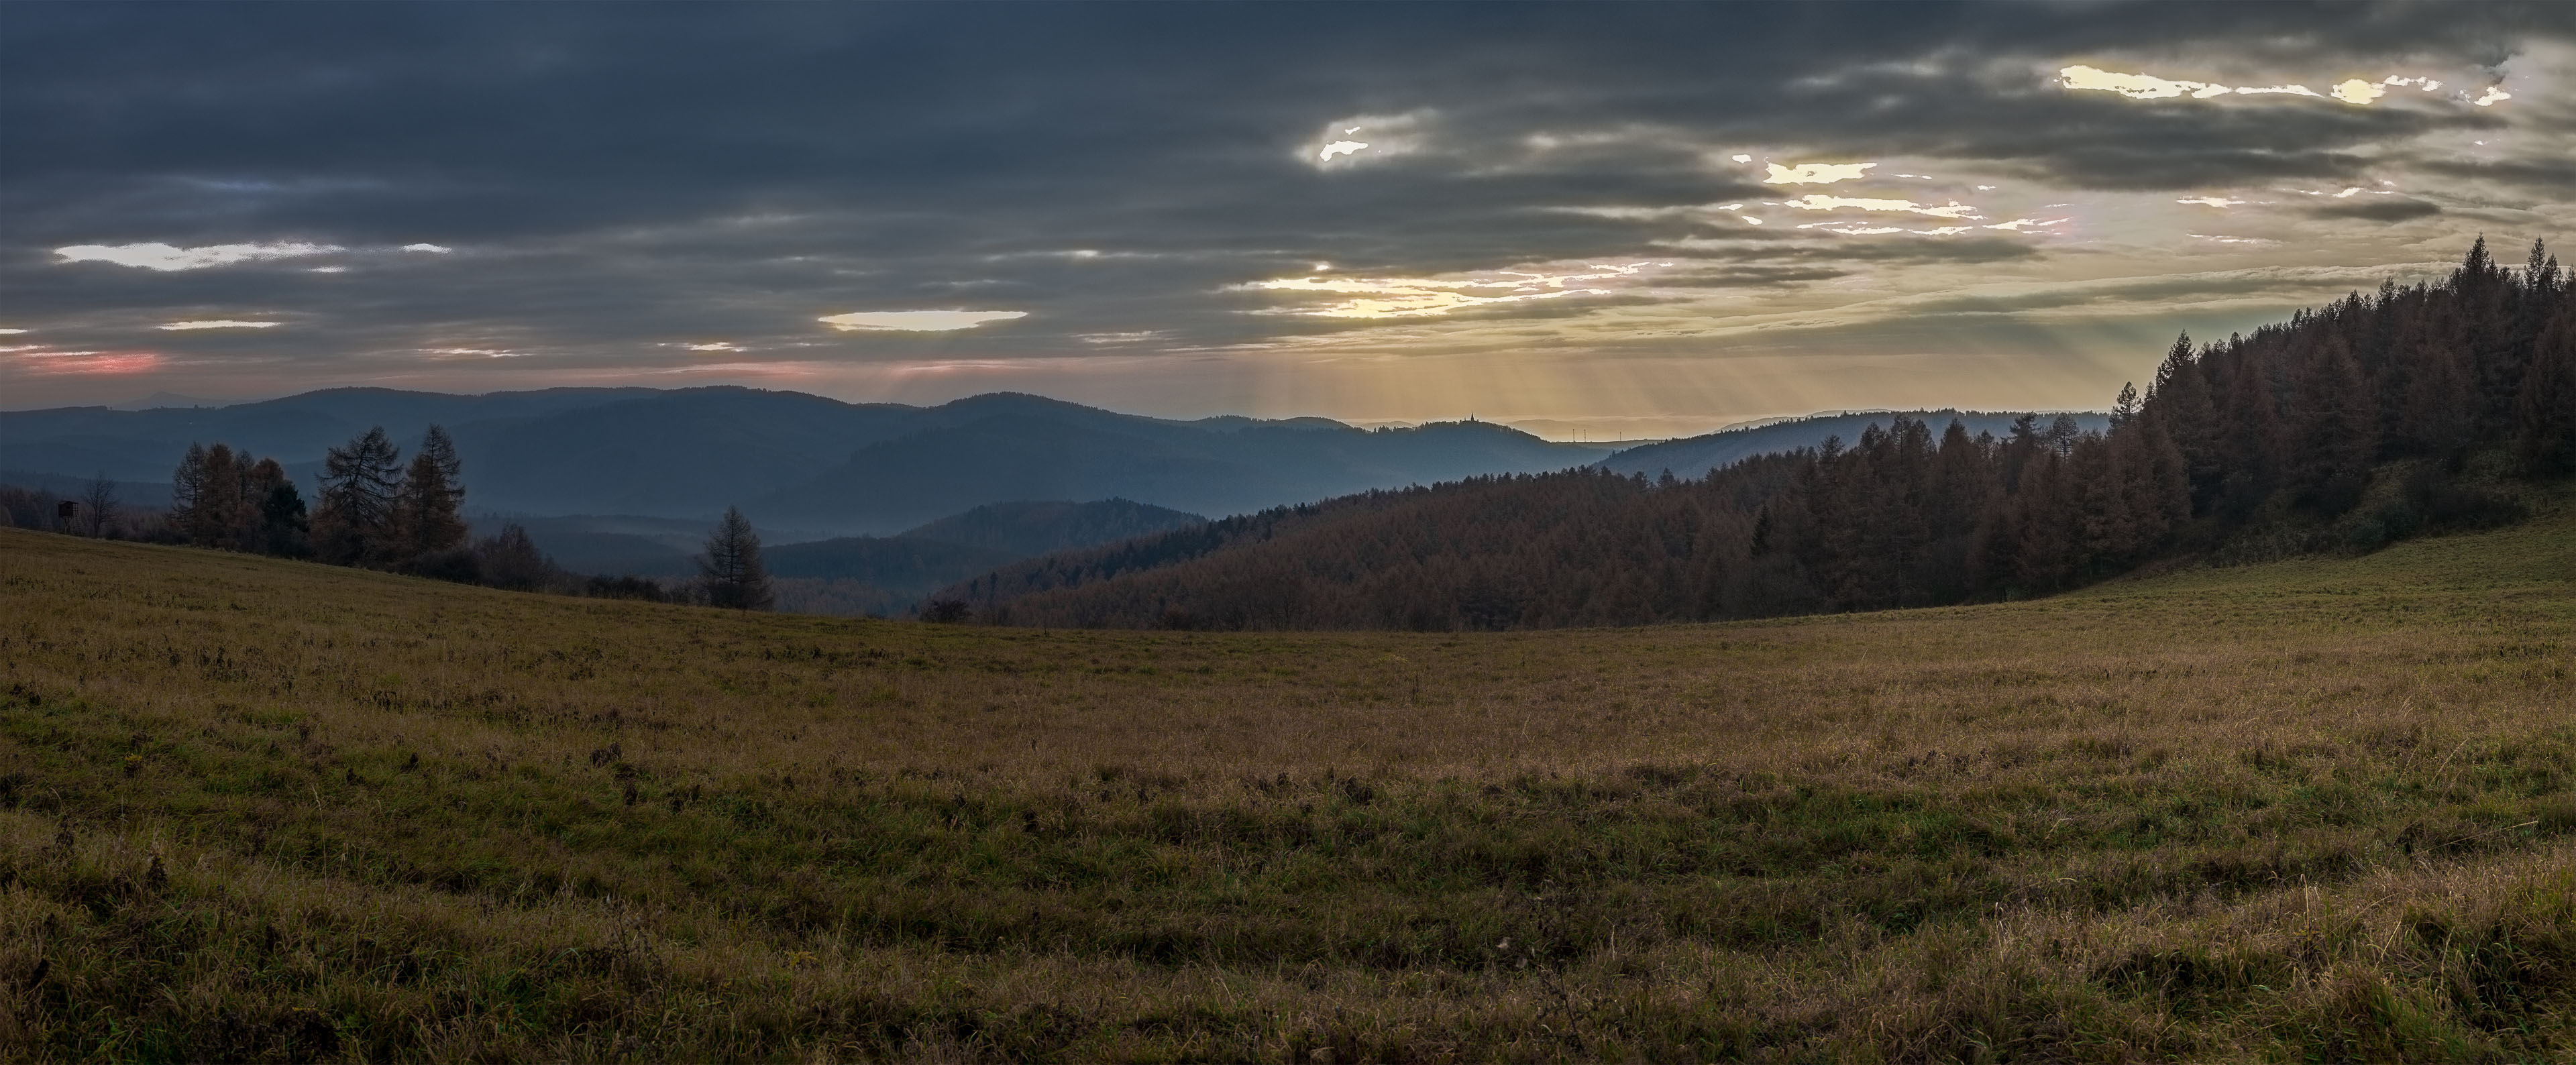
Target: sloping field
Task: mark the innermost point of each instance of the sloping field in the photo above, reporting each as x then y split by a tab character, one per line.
256	810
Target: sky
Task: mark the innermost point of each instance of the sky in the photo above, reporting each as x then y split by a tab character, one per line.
1593	221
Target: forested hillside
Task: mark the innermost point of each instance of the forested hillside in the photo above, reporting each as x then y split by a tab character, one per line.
1035	528
2348	426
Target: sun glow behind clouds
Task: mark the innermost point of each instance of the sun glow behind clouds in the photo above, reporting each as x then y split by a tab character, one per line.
916	321
158	256
1418	297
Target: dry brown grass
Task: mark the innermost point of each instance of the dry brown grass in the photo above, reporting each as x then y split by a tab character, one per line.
2308	810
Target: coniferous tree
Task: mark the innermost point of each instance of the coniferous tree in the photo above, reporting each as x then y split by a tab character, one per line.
2181	397
2333	434
2124	409
731	568
2545	429
2044	527
2252	441
283	529
355	521
426	518
187	485
217	518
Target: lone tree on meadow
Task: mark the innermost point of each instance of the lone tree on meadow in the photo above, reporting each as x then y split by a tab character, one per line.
731	567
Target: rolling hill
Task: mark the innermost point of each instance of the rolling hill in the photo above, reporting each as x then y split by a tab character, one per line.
2308	810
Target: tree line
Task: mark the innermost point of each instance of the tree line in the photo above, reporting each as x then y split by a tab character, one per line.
2370	419
374	510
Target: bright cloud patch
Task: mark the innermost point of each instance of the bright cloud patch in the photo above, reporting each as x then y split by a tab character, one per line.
434	249
1361	139
11	332
1818	202
2358	92
2136	86
916	321
158	256
217	323
720	345
2220	202
1815	173
1416	297
2493	94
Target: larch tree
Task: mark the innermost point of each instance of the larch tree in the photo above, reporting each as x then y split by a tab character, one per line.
355	521
217	518
731	569
187	486
426	504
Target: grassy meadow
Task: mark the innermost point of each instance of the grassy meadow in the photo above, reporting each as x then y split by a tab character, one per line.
2313	810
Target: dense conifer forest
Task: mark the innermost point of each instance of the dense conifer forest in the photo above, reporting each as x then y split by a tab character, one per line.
2347	427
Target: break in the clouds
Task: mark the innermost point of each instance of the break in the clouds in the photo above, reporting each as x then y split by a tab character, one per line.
1633	214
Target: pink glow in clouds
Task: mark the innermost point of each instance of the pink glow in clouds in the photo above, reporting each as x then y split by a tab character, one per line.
48	362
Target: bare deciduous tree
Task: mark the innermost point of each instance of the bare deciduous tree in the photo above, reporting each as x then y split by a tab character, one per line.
99	500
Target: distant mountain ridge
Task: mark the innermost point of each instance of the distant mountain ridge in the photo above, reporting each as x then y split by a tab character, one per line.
792	459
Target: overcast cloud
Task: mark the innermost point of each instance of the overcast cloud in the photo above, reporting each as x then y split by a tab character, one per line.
1638	218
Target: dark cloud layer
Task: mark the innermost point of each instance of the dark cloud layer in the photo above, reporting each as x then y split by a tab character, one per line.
619	180
2397	210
